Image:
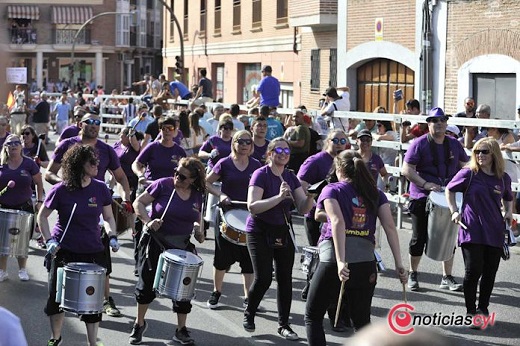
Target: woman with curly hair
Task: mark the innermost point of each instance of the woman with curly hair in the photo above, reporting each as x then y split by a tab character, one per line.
79	200
168	229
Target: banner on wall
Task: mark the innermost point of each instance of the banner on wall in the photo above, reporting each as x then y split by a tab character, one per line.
16	75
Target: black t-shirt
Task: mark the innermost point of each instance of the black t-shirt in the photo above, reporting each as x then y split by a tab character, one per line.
207	86
153	129
315	137
42	114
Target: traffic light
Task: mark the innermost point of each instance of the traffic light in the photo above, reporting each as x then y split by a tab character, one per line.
179	66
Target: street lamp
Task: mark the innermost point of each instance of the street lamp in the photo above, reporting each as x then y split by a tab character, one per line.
72	61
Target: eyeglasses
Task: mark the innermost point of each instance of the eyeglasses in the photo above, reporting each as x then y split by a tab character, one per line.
96	122
242	141
229	128
365	139
341	141
482	151
280	150
13	143
179	175
436	120
26	133
168	127
93	162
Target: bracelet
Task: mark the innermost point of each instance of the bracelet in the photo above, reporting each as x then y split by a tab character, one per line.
423	185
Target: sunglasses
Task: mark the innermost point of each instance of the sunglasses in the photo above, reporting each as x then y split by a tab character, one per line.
342	141
96	122
179	175
242	141
483	151
168	127
436	120
13	143
26	133
365	139
229	128
280	150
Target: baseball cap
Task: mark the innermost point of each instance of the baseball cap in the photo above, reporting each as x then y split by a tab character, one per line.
364	133
453	129
435	112
267	68
331	91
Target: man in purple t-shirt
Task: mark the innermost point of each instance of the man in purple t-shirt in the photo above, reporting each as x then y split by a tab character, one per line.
108	160
430	163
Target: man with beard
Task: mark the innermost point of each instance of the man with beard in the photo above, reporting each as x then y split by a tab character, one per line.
108	160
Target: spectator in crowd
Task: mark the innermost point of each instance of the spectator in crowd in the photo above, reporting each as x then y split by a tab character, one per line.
335	102
62	110
205	89
269	88
178	89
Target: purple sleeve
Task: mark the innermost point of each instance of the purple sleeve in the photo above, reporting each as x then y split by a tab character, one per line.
113	159
60	150
154	189
33	167
308	171
412	155
258	178
207	146
52	197
328	192
459	183
217	169
508	193
144	155
260	85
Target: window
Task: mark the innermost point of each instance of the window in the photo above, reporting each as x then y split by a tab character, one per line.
333	67
257	13
202	31
281	12
236	15
498	90
185	24
315	70
172	22
217	17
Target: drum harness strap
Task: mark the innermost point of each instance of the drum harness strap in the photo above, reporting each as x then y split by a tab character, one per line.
435	154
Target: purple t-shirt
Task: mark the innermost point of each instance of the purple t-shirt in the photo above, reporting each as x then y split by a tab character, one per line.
234	181
106	155
481	206
84	233
270	183
260	153
215	142
160	161
69	132
374	165
22	177
313	170
127	156
420	155
359	222
181	214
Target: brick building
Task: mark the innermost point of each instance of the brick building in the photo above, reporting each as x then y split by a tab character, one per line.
109	51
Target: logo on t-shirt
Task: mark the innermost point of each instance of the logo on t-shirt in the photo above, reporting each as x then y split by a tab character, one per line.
24	173
196	207
359	216
92	202
175	159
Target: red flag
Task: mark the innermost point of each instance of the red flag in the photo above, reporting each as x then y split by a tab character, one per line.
10	100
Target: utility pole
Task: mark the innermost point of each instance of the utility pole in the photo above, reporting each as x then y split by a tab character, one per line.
181	38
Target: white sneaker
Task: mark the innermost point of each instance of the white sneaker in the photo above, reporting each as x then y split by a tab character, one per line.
3	275
23	275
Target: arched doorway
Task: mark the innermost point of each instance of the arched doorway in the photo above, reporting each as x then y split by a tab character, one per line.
378	79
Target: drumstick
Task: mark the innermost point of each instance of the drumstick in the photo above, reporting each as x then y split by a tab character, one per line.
238	202
462	225
340	299
281	178
68	222
9	185
168	204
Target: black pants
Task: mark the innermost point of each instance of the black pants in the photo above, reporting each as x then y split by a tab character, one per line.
312	230
324	290
262	258
419	226
481	262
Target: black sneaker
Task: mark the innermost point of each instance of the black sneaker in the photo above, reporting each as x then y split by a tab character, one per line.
305	292
287	333
249	323
413	282
109	308
213	300
448	282
137	333
182	336
54	342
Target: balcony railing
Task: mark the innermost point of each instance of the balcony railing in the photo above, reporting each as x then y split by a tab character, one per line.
65	36
23	35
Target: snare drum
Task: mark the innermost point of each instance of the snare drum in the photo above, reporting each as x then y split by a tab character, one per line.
16	227
176	274
211	203
442	232
233	225
80	288
122	219
309	259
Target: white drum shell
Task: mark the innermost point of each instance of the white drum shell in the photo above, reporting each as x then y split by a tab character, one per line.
212	201
442	232
179	274
16	227
83	288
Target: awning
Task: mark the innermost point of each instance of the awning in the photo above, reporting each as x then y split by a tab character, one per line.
23	12
71	14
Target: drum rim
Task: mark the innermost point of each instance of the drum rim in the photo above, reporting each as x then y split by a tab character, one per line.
236	210
68	266
168	252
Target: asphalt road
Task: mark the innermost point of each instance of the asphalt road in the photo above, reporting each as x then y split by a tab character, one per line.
224	326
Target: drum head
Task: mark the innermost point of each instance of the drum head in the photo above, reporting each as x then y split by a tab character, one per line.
236	218
181	256
84	267
439	199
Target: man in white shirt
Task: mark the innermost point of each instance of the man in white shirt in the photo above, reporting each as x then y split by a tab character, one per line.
335	102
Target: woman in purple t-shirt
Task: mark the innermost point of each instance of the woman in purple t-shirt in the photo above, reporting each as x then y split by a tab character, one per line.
486	188
272	192
218	146
23	171
169	225
75	236
351	207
